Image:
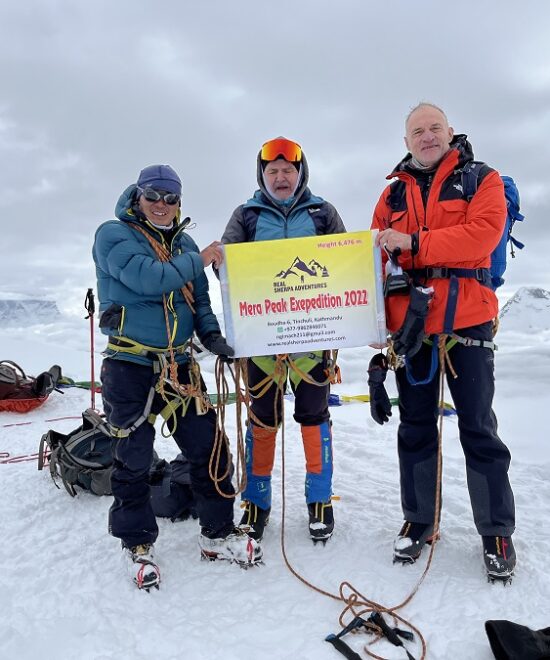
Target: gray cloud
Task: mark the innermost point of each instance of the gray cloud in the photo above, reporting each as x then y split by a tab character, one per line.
92	92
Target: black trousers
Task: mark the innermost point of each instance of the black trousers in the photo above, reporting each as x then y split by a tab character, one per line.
487	457
310	401
125	388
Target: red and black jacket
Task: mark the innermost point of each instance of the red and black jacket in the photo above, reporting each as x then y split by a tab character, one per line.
452	233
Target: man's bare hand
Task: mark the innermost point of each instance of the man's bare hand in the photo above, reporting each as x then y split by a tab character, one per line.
213	254
390	239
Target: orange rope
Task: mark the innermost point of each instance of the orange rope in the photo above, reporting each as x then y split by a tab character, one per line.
356	604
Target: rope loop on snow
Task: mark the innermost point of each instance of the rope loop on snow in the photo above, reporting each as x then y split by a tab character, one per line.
356	604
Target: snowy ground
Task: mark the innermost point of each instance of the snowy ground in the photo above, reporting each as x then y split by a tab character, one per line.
65	593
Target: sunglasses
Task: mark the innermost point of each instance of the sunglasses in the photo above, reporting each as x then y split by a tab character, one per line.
290	151
152	195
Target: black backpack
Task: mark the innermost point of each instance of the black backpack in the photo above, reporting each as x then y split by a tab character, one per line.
82	458
171	494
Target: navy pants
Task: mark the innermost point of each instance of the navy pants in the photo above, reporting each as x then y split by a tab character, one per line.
125	388
310	401
487	457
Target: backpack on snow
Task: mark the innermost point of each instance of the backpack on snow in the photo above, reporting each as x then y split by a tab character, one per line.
82	458
470	177
171	494
14	383
21	393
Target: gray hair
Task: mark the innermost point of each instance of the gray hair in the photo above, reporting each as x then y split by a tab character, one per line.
425	104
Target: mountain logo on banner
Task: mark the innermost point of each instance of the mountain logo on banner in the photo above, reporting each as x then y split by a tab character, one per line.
300	269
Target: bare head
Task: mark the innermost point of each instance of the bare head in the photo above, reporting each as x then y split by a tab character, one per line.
428	134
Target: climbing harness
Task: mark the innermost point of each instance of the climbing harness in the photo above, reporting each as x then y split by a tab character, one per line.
164	363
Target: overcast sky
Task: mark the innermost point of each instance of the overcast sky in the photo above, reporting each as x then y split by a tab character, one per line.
93	91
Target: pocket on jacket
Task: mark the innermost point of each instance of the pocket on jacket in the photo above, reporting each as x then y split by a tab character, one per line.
397	217
112	318
453	213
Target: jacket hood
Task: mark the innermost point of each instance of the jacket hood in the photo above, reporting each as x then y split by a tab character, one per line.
302	182
459	142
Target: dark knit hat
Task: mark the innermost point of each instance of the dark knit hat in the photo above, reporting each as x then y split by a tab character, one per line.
160	177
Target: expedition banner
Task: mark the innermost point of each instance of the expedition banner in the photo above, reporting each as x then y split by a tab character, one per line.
303	294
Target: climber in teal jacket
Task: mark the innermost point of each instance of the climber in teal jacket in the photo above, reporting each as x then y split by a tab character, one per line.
131	304
153	295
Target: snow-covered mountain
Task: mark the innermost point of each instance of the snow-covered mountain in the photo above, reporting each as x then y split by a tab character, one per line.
26	312
527	310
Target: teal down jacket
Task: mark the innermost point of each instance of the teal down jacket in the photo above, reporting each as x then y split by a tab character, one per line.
131	281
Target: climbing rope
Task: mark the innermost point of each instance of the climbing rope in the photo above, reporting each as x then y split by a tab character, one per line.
5	457
356	604
163	254
245	394
221	440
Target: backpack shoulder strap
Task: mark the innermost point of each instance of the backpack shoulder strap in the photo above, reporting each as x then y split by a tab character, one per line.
250	220
320	215
396	196
472	176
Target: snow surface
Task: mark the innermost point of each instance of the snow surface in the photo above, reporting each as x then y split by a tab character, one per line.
65	593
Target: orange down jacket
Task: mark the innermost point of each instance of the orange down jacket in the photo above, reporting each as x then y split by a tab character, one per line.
451	233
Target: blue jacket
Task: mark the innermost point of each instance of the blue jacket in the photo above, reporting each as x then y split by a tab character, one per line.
131	281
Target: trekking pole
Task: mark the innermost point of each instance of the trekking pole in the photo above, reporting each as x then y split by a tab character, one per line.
89	304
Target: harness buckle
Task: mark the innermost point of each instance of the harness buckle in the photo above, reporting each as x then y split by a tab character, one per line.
437	272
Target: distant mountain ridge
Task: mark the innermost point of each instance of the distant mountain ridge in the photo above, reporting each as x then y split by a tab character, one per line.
527	309
27	312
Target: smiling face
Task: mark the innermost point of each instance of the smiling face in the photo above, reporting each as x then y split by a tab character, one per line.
428	135
159	213
281	179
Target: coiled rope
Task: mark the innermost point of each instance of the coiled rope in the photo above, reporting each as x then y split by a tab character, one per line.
356	603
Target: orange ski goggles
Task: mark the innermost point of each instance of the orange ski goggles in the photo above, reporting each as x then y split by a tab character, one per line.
281	148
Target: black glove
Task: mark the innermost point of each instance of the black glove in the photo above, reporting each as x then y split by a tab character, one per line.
380	406
408	339
511	641
216	343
